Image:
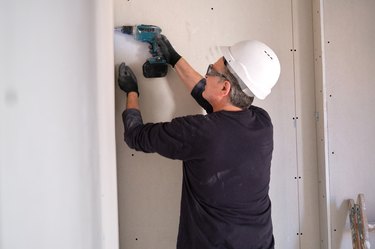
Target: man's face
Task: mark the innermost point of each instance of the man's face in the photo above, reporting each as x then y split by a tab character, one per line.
214	81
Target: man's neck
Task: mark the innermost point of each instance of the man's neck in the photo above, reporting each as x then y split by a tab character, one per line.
228	107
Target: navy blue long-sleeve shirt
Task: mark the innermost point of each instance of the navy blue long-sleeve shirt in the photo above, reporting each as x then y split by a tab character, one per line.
226	172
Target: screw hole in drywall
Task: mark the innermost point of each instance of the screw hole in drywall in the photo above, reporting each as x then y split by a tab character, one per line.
212	8
132	154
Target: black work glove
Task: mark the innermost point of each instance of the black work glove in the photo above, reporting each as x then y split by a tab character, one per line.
167	51
126	79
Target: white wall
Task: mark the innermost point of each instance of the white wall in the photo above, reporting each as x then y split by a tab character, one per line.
345	87
149	185
57	150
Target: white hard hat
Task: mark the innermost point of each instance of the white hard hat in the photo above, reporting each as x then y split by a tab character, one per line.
255	65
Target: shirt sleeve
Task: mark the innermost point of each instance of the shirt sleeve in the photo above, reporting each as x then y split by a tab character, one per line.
197	91
174	140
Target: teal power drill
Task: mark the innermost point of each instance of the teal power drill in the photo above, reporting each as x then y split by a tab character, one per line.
155	66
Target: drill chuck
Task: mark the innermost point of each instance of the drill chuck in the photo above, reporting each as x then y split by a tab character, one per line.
126	29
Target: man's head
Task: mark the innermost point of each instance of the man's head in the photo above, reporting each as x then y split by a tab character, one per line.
222	87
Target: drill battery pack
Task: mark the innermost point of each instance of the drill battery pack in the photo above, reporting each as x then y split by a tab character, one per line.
154	70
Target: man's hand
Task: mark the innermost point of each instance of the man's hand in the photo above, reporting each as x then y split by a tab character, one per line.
167	51
127	80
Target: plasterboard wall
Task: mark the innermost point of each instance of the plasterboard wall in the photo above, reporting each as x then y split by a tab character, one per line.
323	175
345	87
149	185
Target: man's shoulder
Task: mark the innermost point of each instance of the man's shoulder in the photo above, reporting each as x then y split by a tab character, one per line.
201	122
261	116
259	111
191	119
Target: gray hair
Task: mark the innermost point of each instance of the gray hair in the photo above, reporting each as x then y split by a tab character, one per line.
237	96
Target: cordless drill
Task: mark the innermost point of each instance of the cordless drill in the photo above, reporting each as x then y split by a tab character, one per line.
156	65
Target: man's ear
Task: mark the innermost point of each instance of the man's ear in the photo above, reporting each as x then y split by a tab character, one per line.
226	88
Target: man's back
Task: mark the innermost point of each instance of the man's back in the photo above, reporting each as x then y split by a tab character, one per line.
226	172
225	201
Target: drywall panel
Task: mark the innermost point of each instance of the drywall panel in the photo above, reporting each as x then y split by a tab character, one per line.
349	81
305	118
321	125
149	185
57	142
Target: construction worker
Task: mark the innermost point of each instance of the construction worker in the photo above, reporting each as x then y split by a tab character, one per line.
226	153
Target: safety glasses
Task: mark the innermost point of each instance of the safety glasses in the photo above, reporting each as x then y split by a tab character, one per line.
212	72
